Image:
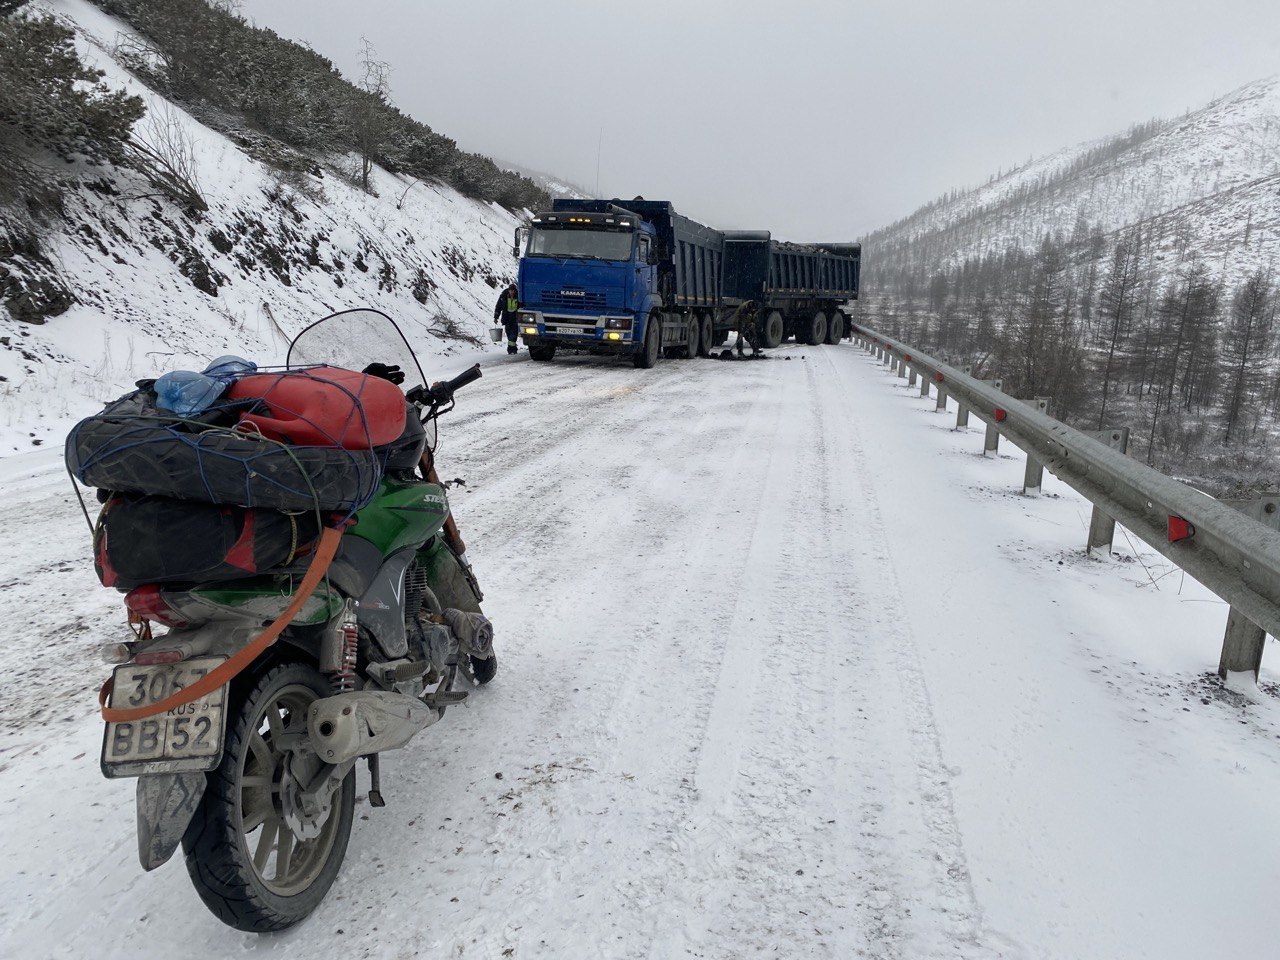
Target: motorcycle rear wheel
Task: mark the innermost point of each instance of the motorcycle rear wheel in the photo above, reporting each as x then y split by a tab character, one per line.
251	867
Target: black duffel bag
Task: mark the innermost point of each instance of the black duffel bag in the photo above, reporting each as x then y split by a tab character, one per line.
160	540
132	448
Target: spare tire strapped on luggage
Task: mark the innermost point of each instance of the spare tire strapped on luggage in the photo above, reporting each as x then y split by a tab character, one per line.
131	447
218	465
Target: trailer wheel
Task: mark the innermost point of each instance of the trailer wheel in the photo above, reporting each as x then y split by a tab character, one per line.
648	355
774	329
542	352
707	333
693	342
835	327
816	330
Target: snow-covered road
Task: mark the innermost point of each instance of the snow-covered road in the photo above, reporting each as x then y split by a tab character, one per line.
788	669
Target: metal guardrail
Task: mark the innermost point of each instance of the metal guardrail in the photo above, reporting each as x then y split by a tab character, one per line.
1232	547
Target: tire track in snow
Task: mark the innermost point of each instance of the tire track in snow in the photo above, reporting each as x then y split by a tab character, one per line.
957	926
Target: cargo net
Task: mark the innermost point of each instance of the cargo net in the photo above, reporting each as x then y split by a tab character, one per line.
292	440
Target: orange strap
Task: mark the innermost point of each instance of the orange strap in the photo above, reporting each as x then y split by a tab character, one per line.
225	671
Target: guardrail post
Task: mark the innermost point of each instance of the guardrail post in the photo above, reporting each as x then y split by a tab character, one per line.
1244	640
942	399
902	368
924	385
911	377
962	412
991	443
1102	528
1033	479
888	356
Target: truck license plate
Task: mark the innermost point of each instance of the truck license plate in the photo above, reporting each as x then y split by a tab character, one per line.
186	738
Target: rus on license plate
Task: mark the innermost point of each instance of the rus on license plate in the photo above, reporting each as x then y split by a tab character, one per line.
186	738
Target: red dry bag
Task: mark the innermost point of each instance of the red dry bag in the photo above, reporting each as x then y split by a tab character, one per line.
323	407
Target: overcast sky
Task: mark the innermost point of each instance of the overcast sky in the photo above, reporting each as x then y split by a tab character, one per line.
818	119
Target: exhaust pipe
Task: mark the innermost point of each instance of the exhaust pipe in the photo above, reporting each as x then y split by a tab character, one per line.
361	722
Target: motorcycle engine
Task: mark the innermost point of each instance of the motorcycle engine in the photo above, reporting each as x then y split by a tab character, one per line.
429	641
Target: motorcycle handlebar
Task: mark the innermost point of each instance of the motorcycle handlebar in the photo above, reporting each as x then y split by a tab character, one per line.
461	380
443	391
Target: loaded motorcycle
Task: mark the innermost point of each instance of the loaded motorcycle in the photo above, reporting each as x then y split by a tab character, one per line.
245	740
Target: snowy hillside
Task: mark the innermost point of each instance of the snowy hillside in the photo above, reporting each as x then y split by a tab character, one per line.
157	289
555	186
1210	179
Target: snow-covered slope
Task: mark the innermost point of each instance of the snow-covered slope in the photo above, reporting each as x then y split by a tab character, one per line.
155	289
1210	180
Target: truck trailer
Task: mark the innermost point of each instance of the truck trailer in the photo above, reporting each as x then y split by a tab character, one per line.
634	278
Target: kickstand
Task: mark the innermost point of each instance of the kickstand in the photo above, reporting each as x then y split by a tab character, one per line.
375	781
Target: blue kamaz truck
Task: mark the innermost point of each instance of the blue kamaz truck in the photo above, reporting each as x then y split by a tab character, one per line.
635	278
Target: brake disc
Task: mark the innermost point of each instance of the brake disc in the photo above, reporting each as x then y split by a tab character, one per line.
304	823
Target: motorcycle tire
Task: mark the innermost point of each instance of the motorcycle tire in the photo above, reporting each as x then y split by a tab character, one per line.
242	820
484	670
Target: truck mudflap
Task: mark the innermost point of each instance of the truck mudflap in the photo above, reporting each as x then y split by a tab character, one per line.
166	803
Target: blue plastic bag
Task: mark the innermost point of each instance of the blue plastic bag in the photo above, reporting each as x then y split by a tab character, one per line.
186	393
229	367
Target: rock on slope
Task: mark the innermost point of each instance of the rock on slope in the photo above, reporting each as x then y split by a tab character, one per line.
156	289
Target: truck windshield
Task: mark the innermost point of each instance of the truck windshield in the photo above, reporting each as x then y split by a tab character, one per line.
584	244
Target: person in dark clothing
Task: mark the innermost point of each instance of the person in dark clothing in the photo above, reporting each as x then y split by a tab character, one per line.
507	310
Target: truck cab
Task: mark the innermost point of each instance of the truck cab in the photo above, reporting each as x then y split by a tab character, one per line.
587	281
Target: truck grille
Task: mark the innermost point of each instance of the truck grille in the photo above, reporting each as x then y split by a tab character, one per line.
573	297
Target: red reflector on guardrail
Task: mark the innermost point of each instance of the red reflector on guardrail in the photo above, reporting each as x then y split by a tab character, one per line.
938	377
907	358
1001	415
1180	529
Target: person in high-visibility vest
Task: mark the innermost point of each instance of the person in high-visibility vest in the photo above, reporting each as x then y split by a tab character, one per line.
507	310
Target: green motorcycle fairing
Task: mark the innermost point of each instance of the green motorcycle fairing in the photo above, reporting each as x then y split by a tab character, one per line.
404	513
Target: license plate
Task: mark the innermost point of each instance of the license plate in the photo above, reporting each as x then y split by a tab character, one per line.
185	739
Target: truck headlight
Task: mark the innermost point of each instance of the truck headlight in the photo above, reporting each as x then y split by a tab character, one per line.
617	323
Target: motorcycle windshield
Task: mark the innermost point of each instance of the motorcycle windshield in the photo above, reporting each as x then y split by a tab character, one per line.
353	339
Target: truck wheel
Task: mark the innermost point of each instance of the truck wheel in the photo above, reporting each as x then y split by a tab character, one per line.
693	344
542	352
774	329
648	354
815	332
706	334
835	327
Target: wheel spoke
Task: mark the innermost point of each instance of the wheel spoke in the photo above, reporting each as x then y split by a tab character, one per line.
270	831
251	781
261	752
254	817
275	722
284	853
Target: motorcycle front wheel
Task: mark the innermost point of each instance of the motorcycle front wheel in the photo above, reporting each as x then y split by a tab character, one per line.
259	860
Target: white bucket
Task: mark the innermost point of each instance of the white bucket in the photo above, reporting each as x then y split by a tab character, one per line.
496	334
